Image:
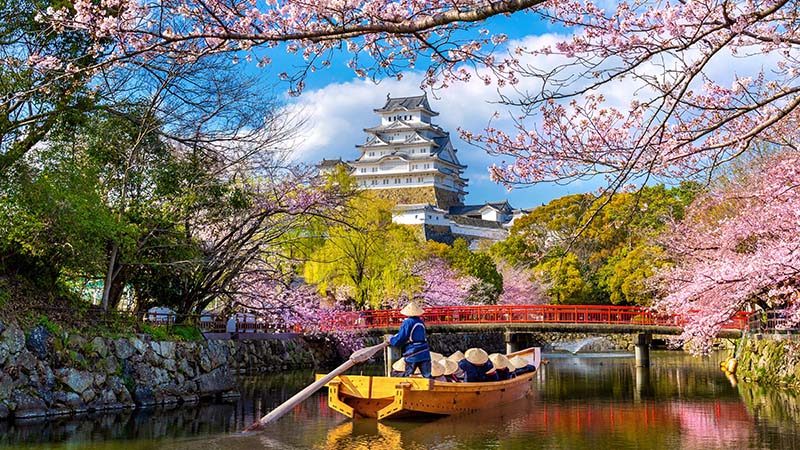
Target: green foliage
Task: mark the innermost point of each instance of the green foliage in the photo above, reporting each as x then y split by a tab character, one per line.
625	274
157	332
5	296
564	281
52	327
596	249
477	264
187	333
366	259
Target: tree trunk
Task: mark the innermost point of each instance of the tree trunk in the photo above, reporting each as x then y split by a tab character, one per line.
112	262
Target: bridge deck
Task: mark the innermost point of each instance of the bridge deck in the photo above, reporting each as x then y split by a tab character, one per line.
569	318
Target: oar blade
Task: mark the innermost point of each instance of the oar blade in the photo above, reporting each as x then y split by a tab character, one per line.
358	356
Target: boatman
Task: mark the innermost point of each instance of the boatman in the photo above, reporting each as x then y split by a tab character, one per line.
412	339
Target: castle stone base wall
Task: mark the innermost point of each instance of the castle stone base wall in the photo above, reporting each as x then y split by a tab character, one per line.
435	196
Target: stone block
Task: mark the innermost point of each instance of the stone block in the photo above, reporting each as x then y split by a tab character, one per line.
27	406
77	380
123	349
39	341
14	339
99	347
217	381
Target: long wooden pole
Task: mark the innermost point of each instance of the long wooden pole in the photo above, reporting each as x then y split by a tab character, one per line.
357	357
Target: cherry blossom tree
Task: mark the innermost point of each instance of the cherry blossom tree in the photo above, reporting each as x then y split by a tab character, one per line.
247	234
442	285
519	288
684	116
383	37
649	89
292	306
736	247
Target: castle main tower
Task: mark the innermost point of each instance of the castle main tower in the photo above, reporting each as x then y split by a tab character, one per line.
408	159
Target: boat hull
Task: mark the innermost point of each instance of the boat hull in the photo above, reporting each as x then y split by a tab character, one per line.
358	396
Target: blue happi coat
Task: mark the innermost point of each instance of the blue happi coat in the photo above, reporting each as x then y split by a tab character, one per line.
477	373
412	339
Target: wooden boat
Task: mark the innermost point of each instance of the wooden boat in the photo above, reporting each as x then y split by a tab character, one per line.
358	396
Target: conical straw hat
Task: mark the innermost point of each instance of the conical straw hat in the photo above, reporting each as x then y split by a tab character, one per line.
437	369
476	356
457	356
450	367
436	356
500	361
411	310
399	365
519	362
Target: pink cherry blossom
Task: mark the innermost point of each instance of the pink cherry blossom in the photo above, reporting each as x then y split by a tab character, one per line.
737	246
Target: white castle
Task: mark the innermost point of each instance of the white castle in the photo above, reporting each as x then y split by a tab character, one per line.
411	161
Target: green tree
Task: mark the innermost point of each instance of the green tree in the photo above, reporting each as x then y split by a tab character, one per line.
366	258
625	275
590	236
36	98
477	264
564	281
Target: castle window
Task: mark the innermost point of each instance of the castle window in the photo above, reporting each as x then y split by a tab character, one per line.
397	181
419	179
374	182
371	153
363	170
427	166
408	180
374	169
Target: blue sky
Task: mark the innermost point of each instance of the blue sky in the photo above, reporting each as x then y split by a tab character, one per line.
338	105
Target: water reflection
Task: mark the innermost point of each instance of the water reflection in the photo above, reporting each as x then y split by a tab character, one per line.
582	402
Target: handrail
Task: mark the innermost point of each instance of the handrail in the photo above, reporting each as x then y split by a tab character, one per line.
771	321
477	314
508	314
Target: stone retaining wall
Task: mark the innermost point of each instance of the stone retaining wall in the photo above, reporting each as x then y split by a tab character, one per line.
42	374
278	353
770	359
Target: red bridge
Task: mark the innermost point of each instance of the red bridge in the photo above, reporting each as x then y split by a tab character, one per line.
586	318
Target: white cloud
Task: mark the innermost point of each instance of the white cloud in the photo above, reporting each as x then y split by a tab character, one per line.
338	112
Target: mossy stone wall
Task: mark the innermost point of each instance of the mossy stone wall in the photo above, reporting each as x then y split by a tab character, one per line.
770	359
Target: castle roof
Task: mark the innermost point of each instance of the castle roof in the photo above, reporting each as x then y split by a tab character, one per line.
419	102
466	210
329	163
480	223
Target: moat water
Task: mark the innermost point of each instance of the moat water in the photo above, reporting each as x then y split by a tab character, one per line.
584	401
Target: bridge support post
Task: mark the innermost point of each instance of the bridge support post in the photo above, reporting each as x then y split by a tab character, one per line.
390	355
642	349
643	388
511	342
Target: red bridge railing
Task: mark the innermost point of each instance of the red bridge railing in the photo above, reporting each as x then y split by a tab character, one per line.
509	314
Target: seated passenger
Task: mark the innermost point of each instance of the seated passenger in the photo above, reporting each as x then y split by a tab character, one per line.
437	371
452	372
477	367
503	367
521	365
398	368
456	357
